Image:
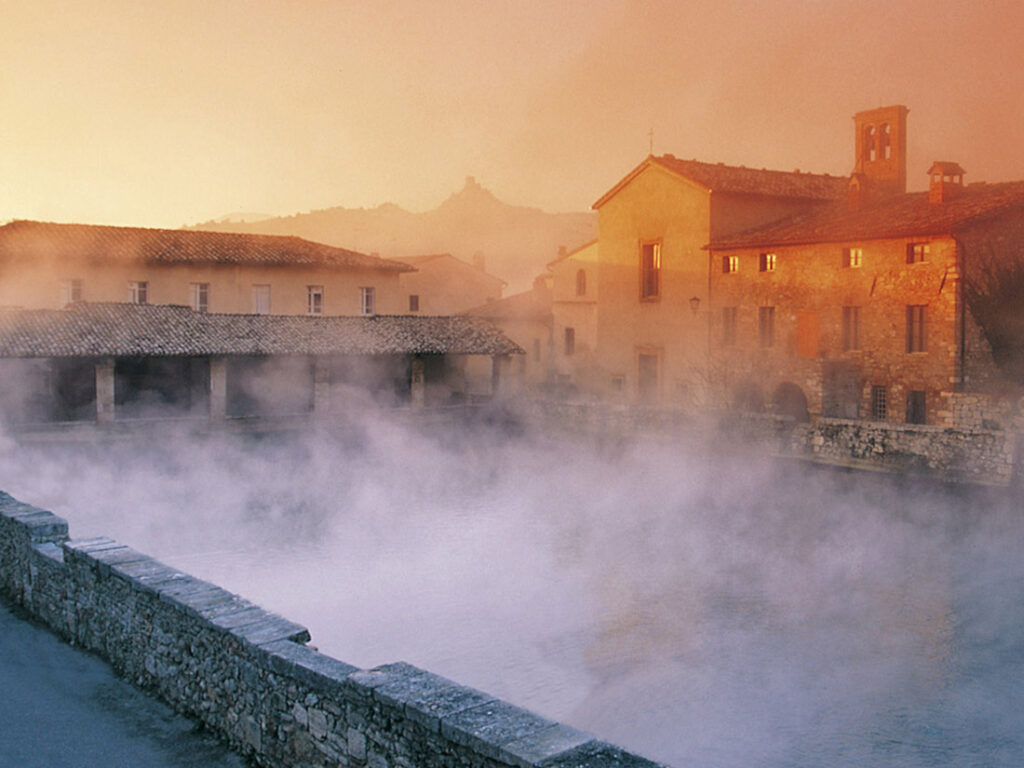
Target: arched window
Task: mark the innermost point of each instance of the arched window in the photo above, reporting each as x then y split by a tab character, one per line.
884	142
581	283
869	149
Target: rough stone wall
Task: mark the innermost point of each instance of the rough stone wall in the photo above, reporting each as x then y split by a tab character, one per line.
810	284
248	675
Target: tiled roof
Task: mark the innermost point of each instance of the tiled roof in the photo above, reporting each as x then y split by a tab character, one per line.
36	240
88	330
719	177
753	181
908	215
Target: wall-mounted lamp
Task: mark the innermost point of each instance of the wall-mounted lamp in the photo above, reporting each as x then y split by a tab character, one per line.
695	304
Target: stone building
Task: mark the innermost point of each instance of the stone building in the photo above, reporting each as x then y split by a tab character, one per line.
857	310
651	274
108	362
441	284
45	265
574	306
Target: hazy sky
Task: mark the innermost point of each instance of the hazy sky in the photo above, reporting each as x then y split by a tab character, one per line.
161	113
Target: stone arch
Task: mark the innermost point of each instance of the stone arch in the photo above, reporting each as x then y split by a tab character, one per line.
789	400
747	397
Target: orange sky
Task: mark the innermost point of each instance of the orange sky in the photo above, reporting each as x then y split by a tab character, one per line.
157	113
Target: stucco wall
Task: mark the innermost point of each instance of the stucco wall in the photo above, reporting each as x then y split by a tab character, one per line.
248	675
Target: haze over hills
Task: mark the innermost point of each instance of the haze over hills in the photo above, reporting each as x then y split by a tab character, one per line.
516	241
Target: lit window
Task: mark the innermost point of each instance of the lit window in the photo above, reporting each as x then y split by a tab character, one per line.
917	252
766	262
730	265
367	301
729	315
314	299
650	270
879	403
570	341
199	297
851	328
70	290
138	292
581	283
414	302
917	333
261	299
853	257
766	326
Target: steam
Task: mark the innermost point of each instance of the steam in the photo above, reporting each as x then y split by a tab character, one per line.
679	597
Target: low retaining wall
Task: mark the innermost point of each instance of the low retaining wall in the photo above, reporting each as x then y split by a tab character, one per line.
977	456
248	675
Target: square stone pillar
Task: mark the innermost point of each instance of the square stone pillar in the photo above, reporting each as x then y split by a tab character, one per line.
417	384
105	390
321	385
218	388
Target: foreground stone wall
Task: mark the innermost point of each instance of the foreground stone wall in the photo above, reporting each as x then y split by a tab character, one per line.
248	675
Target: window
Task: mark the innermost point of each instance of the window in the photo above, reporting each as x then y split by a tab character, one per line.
570	341
650	270
70	290
261	299
138	292
851	328
766	262
766	326
729	325
853	257
618	383
367	301
917	252
917	338
730	265
414	302
879	403
885	140
916	407
199	296
314	299
581	283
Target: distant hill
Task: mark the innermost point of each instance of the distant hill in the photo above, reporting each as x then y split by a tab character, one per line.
517	242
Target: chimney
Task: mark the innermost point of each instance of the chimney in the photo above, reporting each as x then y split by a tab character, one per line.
945	181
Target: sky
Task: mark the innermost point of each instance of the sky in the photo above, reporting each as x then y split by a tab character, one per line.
150	113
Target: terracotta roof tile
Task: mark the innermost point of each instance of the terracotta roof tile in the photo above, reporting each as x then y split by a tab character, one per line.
89	330
35	239
753	181
908	215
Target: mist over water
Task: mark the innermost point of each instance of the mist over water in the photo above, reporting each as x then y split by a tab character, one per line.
681	598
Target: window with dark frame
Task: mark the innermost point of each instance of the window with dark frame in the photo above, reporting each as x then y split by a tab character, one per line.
851	328
200	297
766	262
730	265
766	326
570	341
917	332
139	290
853	257
729	315
367	301
650	270
918	252
414	302
314	299
916	407
879	402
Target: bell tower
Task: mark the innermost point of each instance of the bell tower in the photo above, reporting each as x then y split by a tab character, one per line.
880	162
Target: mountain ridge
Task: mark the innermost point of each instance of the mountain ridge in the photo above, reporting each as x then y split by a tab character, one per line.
516	241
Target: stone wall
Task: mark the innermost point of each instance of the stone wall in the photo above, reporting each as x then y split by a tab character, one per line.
248	674
982	456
